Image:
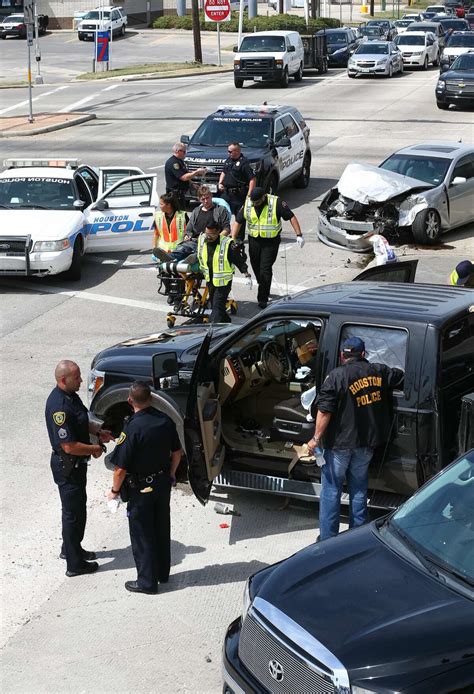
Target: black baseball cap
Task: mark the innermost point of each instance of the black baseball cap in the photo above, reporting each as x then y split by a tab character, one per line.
464	270
353	345
257	194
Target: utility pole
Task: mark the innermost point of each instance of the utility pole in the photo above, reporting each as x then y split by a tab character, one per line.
28	10
39	77
196	32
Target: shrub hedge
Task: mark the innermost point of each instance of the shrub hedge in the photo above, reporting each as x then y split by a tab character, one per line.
278	21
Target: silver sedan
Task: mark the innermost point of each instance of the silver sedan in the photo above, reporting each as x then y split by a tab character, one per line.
375	58
426	188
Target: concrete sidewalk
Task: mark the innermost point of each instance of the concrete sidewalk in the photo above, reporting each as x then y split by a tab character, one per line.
18	126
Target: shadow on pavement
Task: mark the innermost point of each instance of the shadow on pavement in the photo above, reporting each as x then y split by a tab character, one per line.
213	574
122	558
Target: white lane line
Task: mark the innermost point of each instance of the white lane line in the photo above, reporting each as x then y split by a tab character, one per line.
71	107
40	96
153	168
112	86
90	296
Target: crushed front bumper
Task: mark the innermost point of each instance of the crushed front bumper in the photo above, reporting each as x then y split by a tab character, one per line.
340	233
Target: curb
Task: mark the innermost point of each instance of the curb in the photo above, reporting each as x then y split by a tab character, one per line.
164	76
49	128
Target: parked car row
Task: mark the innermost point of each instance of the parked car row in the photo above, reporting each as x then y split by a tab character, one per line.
14	25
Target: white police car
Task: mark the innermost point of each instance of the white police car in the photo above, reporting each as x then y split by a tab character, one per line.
54	211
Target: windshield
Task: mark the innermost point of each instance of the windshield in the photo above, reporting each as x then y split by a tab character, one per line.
454	25
97	15
14	18
405	40
435	9
377	22
439	519
371	31
372	49
431	170
262	44
423	27
403	22
34	192
464	40
220	130
464	62
336	38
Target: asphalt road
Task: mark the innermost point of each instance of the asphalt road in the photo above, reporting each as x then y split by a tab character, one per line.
88	634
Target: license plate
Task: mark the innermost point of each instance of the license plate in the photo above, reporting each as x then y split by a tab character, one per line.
364	69
258	78
212	187
89	36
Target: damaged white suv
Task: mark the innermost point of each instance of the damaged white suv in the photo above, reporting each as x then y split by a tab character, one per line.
426	188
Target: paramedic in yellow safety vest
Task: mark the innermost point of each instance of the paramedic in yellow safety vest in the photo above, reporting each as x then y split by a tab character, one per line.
170	224
463	275
217	256
263	214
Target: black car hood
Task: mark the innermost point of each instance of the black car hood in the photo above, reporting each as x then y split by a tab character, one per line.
461	75
134	356
377	613
217	155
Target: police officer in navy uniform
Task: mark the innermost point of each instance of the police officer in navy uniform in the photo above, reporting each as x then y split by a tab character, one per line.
177	175
69	431
146	457
237	180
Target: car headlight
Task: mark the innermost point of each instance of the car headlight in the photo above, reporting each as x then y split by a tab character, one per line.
382	61
441	84
52	245
247	599
417	52
95	383
236	64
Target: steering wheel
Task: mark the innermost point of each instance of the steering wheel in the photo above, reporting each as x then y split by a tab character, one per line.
276	362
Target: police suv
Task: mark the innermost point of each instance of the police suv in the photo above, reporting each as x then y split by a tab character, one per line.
54	211
275	139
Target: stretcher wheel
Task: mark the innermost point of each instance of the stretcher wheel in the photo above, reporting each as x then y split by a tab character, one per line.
170	321
205	319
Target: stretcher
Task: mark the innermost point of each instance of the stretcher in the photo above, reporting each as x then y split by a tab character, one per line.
182	282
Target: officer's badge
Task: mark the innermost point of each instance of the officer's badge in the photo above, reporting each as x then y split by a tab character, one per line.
121	438
62	433
237	163
176	165
59	418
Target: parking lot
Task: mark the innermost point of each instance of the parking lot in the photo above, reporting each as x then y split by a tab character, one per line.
88	634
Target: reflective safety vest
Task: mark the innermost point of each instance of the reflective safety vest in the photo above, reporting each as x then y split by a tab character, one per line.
453	278
222	268
267	225
168	237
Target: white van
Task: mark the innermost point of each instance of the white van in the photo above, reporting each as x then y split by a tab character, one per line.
269	56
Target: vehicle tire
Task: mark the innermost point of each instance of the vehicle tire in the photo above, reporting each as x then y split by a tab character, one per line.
81	38
285	79
238	83
442	106
326	65
3	37
425	64
390	71
436	61
426	227
303	179
351	76
122	30
75	270
402	68
299	75
272	187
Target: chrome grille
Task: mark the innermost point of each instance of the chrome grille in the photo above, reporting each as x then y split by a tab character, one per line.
257	63
454	86
366	63
216	168
14	245
258	648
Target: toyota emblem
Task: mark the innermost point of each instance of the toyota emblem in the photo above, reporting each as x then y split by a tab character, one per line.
276	670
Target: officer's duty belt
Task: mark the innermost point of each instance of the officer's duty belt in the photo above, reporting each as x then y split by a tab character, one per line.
151	478
235	190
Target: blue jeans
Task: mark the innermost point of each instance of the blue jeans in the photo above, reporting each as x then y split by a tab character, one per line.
342	463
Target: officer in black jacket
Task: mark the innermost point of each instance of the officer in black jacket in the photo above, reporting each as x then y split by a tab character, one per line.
68	427
237	180
146	457
354	417
177	174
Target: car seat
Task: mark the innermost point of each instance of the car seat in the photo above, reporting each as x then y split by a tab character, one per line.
290	422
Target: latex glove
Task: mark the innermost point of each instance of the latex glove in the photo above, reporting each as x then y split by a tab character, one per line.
248	281
300	241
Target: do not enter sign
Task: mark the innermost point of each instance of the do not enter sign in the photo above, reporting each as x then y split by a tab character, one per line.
217	10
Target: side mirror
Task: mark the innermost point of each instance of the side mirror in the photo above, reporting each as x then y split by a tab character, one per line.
185	139
164	366
458	180
235	49
291	49
284	142
101	205
78	204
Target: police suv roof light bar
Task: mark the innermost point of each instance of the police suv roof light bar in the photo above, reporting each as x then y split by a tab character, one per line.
40	163
254	108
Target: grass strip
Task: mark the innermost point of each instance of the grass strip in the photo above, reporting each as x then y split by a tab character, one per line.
192	68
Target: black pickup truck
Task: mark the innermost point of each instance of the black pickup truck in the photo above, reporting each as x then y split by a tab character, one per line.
234	391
